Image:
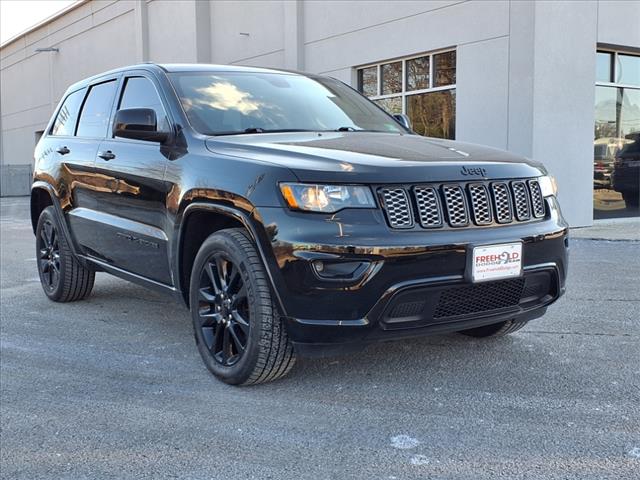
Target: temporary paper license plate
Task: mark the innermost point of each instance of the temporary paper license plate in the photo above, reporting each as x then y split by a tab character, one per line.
493	262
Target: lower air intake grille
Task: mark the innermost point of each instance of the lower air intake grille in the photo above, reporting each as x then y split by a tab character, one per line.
407	309
479	298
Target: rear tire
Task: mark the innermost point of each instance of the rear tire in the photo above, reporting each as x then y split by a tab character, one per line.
62	277
239	332
499	329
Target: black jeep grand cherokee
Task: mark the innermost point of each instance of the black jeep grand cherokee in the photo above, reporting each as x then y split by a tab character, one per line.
289	213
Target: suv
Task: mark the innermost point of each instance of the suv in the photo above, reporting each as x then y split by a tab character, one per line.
290	214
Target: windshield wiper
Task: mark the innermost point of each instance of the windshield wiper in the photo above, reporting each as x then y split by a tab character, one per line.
353	129
254	130
251	130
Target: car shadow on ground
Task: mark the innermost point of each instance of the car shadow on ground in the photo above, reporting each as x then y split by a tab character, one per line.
447	359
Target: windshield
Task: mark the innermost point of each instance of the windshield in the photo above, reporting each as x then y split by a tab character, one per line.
254	102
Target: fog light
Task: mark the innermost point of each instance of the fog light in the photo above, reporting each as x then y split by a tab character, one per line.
345	271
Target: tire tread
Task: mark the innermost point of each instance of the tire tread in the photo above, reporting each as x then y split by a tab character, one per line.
276	357
275	354
77	280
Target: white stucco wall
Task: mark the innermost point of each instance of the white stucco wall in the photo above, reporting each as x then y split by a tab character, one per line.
171	32
563	100
263	22
92	38
619	22
525	70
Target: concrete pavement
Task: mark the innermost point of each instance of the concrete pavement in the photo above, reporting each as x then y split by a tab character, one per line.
113	387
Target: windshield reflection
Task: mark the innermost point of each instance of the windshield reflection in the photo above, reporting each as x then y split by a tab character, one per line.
226	96
258	102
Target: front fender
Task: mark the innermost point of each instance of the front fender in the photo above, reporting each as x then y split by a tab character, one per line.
53	195
251	222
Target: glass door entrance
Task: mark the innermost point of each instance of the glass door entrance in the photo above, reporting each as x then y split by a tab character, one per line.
616	148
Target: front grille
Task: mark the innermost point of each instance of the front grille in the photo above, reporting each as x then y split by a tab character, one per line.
428	203
462	204
521	200
480	205
502	202
479	298
456	204
396	204
537	202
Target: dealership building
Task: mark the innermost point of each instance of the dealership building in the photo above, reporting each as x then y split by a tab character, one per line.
556	81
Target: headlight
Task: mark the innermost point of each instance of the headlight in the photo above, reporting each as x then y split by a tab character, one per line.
548	186
326	198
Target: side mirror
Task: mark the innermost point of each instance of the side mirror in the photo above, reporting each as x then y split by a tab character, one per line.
403	120
138	124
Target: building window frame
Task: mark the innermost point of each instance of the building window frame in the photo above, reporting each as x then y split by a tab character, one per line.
403	94
614	68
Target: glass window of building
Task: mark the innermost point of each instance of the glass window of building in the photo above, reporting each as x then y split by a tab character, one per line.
616	147
604	63
368	81
423	87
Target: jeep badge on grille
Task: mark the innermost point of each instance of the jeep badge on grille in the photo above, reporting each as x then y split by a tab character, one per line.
473	171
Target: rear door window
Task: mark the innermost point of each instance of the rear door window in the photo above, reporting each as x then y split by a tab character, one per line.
139	92
94	119
67	117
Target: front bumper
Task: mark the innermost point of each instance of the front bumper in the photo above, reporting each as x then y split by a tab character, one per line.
407	278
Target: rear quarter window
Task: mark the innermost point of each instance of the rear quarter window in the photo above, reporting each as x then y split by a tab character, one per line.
65	123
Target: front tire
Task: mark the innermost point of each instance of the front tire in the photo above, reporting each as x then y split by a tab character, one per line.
499	329
62	277
238	331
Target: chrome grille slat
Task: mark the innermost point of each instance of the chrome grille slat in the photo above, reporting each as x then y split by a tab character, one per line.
397	207
456	205
521	200
502	202
480	204
428	205
537	202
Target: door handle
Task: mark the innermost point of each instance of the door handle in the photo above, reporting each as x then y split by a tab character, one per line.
63	150
108	155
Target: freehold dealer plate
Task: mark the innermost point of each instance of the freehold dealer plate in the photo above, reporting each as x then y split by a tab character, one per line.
495	262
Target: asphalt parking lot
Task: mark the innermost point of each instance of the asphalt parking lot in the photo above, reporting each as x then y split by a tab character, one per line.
113	387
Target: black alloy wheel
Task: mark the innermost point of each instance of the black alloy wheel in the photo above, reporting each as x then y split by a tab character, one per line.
239	332
63	277
223	310
49	255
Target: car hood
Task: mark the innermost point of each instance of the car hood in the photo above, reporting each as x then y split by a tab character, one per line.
367	157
